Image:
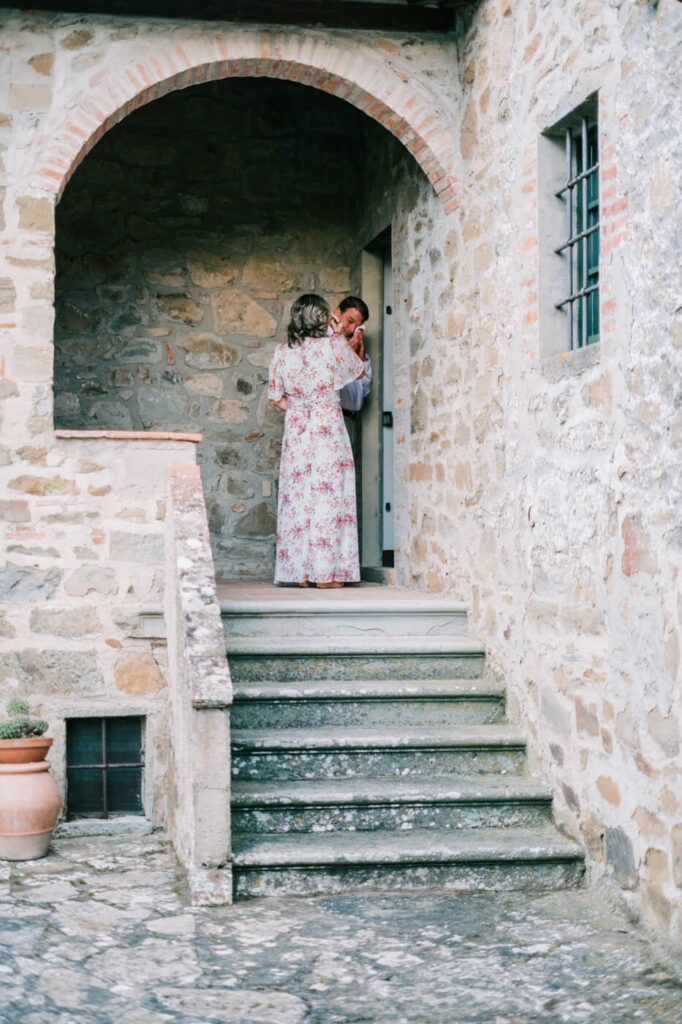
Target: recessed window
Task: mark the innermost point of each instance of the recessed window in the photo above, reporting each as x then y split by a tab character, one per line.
569	228
104	763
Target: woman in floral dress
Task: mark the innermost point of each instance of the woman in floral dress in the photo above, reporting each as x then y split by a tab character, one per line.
317	530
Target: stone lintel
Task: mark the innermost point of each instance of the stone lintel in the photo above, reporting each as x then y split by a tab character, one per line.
127	435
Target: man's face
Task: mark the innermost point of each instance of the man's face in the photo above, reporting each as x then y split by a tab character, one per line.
351	319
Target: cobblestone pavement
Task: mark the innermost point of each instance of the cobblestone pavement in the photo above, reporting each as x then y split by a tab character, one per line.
101	931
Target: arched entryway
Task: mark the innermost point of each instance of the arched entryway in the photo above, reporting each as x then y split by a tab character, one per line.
182	239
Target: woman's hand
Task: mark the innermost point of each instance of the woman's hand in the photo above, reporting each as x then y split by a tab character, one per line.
280	404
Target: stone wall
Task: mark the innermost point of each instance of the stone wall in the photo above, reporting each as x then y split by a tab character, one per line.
181	241
543	489
81	585
546	490
82	518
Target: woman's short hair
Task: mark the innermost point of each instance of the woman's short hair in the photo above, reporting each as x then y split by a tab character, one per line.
309	319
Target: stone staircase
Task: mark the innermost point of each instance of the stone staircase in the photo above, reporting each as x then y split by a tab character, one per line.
370	749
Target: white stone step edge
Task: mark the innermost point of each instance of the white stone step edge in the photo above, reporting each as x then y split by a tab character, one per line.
369	689
374	645
411	846
340	738
360	792
361	606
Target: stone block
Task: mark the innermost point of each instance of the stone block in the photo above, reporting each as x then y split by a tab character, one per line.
8	294
205	384
638	554
42	63
676	836
334	279
206	351
6	627
230	412
268	274
44	671
138	672
140	350
78	319
665	731
208	270
68	622
41	485
91	579
649	824
35	214
609	790
30	97
14	511
258	522
143	548
19	583
620	856
78	38
656	865
181	308
237	313
109	416
309	247
585	718
162	407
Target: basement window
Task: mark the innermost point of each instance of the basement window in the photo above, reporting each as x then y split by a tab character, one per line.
569	228
104	762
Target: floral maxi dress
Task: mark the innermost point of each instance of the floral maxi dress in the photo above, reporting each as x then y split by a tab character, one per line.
317	531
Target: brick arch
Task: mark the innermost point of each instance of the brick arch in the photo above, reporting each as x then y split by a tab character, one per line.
340	70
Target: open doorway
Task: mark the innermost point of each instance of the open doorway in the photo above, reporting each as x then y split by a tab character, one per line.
377	460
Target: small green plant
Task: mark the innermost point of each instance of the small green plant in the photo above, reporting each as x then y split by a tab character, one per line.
19	724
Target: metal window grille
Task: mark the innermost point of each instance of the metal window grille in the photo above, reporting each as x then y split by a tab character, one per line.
581	249
104	765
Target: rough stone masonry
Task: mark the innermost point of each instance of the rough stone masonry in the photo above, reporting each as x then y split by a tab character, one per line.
541	487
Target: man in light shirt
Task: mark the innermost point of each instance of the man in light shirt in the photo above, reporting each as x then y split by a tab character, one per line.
348	320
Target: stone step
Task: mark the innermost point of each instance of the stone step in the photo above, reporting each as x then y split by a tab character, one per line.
315	615
292	704
462	860
353	658
326	805
329	752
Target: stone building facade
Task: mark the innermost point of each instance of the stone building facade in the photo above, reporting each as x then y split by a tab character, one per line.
168	188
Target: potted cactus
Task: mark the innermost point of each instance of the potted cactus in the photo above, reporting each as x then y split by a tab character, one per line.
30	800
21	737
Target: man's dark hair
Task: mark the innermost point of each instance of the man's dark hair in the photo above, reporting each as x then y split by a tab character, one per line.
354	302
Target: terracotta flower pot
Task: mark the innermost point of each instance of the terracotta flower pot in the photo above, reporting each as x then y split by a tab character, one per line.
30	800
29	748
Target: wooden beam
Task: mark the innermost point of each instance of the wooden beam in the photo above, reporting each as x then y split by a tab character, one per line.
407	16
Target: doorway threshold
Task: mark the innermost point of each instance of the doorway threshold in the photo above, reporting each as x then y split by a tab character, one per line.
379	574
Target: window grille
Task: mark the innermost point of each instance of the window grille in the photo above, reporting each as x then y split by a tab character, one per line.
104	766
581	249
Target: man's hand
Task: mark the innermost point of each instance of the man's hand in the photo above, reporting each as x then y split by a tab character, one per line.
357	342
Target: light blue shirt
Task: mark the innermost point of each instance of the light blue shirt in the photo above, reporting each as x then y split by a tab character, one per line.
354	394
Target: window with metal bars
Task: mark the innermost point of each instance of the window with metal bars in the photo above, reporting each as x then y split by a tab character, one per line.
580	194
104	762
